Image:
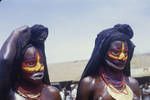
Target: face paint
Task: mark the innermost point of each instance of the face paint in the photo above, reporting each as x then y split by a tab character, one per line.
117	54
32	65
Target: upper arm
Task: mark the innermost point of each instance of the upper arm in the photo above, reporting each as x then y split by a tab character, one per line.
85	88
50	93
7	55
135	87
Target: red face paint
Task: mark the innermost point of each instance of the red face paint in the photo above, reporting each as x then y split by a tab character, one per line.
32	66
117	54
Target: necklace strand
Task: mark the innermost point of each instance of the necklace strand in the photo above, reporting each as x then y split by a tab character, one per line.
112	85
27	95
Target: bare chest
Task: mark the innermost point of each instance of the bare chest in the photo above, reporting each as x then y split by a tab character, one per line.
102	92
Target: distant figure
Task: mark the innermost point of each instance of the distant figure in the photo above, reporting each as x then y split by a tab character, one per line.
74	91
107	74
145	69
146	92
23	67
62	94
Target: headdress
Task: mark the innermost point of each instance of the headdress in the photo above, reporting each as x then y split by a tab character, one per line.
104	39
11	53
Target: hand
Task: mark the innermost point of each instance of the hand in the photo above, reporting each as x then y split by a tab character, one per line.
10	49
39	33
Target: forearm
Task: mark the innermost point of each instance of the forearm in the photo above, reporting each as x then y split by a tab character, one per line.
7	56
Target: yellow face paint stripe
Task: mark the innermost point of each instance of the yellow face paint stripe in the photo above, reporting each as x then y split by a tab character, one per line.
121	56
37	67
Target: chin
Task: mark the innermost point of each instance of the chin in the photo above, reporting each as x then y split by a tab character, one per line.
37	78
114	66
37	82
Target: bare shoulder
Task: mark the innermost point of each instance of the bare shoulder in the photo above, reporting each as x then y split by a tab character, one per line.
87	82
50	92
134	85
133	82
87	79
85	88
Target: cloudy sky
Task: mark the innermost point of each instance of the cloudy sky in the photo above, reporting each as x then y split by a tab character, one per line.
74	24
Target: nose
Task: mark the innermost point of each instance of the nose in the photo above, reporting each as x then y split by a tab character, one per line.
122	56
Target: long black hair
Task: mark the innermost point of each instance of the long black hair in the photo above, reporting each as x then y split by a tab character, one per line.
39	34
118	32
11	53
102	42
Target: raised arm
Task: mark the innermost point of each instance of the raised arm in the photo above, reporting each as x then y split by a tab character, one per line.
10	49
39	34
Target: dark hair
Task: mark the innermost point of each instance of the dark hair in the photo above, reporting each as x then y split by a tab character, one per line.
36	32
103	40
118	32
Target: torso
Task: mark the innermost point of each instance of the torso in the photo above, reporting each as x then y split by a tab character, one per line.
42	94
100	91
17	95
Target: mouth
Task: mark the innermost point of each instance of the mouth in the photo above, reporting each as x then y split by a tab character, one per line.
37	76
116	66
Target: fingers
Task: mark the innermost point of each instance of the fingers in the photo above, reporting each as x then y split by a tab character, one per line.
39	33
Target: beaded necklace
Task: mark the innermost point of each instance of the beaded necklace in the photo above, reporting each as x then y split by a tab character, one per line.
27	95
123	93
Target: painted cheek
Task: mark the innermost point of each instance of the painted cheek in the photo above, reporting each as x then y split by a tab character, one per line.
112	56
36	68
39	67
120	57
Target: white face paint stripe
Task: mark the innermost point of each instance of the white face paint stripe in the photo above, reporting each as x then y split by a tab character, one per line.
37	76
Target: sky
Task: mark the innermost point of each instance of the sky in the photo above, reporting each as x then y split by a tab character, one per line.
74	24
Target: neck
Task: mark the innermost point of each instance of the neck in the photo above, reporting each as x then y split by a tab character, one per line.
113	74
31	88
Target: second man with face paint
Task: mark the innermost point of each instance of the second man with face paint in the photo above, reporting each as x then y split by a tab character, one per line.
23	63
107	74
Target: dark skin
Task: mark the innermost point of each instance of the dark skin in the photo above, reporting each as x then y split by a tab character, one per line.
94	87
10	55
50	93
31	66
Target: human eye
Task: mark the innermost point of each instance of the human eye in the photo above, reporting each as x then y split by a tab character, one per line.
115	53
31	63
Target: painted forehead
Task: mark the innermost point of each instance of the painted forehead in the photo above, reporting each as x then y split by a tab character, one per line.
30	53
117	45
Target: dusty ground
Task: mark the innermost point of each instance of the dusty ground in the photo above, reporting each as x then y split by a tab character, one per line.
72	70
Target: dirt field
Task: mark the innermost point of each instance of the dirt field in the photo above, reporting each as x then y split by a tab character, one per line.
68	71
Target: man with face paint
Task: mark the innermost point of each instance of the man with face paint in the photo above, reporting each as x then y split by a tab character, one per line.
117	55
107	74
23	64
